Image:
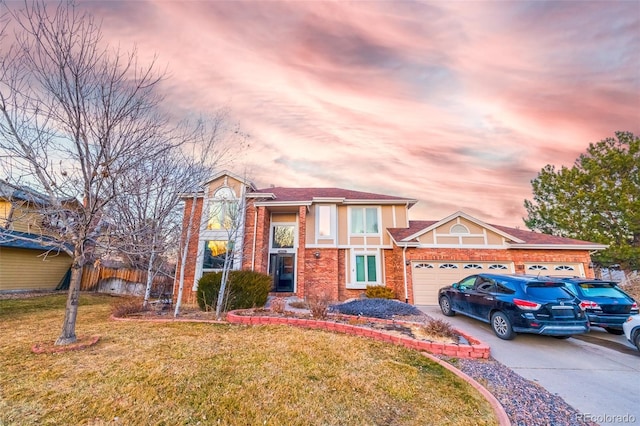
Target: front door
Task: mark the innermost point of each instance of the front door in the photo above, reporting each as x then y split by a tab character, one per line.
282	270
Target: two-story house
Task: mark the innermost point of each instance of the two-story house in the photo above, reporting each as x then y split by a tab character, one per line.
335	242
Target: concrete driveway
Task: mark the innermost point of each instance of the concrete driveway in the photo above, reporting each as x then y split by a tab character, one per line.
597	373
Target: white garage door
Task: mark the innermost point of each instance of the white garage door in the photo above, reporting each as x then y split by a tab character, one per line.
555	269
430	276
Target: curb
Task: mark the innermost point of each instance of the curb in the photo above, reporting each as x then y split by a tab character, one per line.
498	409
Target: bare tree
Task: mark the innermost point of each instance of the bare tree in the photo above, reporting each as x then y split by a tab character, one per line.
75	119
215	143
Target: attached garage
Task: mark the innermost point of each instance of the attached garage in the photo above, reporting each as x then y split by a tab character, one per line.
430	276
439	253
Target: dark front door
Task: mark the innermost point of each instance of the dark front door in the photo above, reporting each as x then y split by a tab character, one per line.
282	271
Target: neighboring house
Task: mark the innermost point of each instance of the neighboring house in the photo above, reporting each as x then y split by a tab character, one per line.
30	259
335	242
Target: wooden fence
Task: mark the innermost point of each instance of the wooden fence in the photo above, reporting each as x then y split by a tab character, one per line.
92	276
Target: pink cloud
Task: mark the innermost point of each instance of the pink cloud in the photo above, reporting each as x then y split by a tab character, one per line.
458	104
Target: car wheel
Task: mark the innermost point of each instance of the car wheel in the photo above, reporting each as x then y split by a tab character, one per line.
445	306
502	326
636	340
615	331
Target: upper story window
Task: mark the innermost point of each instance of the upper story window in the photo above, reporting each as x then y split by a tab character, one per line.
364	220
223	209
325	221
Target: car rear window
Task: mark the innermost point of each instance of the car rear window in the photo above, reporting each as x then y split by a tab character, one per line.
600	290
548	291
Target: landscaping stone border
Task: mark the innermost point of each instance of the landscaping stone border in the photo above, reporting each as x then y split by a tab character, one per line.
477	349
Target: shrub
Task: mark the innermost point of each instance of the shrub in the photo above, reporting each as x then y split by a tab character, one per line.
379	292
245	289
439	327
126	306
277	304
319	306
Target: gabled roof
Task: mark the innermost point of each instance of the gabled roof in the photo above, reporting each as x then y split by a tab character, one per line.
23	240
221	173
307	196
14	192
516	238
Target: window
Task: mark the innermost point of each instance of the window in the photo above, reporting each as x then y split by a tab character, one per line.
283	236
448	266
458	229
325	222
215	252
364	220
472	266
537	268
498	267
424	266
564	268
223	209
366	268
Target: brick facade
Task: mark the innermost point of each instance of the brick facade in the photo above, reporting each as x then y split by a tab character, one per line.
321	271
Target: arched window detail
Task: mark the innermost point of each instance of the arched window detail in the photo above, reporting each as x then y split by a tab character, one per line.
423	266
472	266
564	268
223	209
498	267
537	268
459	229
448	266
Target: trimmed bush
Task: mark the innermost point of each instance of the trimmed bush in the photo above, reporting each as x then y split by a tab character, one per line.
245	289
379	292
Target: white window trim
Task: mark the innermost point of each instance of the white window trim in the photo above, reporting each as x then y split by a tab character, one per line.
333	220
365	234
355	285
295	238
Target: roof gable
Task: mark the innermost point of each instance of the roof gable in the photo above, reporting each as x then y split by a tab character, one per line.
514	237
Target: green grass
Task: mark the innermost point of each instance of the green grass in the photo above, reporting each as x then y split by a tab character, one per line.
182	373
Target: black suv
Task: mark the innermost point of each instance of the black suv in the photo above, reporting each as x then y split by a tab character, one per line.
516	304
606	305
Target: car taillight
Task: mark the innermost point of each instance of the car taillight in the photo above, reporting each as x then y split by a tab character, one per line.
526	304
588	304
634	307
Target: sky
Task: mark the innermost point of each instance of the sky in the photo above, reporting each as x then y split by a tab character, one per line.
458	104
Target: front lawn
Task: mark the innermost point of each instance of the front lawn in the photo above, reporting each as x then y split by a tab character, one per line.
194	373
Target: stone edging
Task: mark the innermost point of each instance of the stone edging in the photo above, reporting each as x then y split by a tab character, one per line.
476	350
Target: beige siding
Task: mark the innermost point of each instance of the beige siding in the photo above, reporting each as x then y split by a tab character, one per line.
448	240
494	239
5	210
232	183
284	218
426	238
473	240
402	217
343	225
22	269
387	222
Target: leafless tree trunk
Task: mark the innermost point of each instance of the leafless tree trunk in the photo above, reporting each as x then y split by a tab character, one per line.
75	117
215	144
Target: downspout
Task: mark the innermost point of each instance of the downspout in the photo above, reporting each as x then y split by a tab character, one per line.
404	267
255	233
